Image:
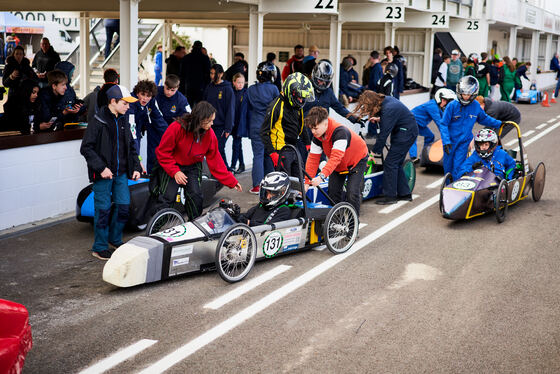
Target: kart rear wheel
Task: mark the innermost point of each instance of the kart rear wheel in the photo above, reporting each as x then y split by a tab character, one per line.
164	219
501	201
537	181
410	174
236	253
340	229
446	180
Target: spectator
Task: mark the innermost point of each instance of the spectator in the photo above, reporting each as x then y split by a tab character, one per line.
158	65
259	96
112	26
44	61
386	83
375	72
54	109
507	84
454	70
314	52
16	70
349	89
483	75
239	130
400	58
9	46
219	93
441	76
295	63
239	66
174	61
555	66
212	59
472	65
98	97
2	56
521	71
170	101
310	60
437	60
271	58
21	111
398	81
70	97
195	74
112	159
495	76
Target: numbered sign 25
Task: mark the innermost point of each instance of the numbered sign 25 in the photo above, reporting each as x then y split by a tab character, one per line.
394	13
472	25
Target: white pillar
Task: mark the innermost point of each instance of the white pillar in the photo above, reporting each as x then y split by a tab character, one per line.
231	31
534	53
129	43
389	34
167	45
428	57
548	52
256	19
512	41
84	53
334	50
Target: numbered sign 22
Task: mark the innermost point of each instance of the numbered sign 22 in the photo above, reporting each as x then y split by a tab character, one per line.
394	13
324	4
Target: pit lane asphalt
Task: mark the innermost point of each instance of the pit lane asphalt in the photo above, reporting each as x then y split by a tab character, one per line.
431	295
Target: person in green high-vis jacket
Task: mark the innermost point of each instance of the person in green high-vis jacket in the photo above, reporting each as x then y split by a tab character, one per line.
507	85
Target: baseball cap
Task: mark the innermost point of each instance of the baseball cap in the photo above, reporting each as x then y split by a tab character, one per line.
120	93
455	52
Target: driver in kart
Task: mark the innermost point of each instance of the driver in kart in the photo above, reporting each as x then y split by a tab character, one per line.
272	208
489	154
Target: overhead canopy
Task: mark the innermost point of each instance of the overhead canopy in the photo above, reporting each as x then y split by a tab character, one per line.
13	24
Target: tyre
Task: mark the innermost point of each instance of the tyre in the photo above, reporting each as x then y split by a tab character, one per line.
236	253
164	219
537	181
501	201
446	180
340	229
410	174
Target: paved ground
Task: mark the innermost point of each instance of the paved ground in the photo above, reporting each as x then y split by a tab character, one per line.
417	294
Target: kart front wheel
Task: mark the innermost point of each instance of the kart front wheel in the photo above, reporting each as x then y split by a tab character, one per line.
537	181
340	229
236	253
501	201
164	219
447	178
410	174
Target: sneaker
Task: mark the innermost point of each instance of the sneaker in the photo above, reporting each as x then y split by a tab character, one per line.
415	160
387	200
405	197
255	190
102	255
240	170
113	247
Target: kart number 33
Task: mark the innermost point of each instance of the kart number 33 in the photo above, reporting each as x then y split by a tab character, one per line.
272	244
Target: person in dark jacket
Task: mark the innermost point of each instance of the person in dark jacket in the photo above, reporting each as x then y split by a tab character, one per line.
16	70
110	154
295	63
171	103
521	72
376	72
219	93
437	60
398	80
395	120
98	97
70	98
45	60
555	66
112	26
174	61
500	110
271	58
54	107
239	130
349	89
195	74
21	111
386	85
239	66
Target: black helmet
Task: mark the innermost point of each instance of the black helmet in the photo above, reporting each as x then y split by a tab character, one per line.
298	90
266	72
483	136
392	69
274	189
473	58
468	85
322	75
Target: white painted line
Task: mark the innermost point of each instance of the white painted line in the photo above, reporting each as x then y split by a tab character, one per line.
558	116
528	133
118	357
396	206
435	184
540	135
362	225
542	125
512	142
551	120
246	287
229	324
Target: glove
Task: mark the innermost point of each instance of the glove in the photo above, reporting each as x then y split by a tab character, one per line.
308	147
362	122
274	156
447	148
477	165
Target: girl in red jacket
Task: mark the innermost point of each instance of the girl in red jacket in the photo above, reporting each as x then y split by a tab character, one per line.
180	153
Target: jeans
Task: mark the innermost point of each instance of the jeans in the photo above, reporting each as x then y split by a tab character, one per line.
107	229
557	88
354	183
237	152
262	164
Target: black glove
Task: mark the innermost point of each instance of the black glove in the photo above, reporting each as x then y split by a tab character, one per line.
362	122
447	148
477	165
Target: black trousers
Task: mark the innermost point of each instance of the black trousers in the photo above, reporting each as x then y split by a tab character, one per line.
288	163
192	191
354	180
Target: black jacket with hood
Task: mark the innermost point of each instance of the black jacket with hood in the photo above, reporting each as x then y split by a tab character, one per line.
25	72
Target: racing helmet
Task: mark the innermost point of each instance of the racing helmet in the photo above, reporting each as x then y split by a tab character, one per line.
322	75
298	90
468	85
266	72
392	69
473	58
274	189
486	135
444	93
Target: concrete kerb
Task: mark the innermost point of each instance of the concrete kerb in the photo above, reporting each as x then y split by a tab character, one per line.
36	225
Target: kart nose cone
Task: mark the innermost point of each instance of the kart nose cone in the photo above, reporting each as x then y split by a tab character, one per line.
455	204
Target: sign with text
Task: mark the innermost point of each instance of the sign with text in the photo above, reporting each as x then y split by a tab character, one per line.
299	6
377	12
466	25
438	20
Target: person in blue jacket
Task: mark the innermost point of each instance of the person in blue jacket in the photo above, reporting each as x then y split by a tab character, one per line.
158	65
393	119
489	154
219	93
457	124
555	66
349	89
428	112
259	96
376	72
240	122
172	103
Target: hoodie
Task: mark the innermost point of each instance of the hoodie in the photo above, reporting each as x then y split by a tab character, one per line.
25	72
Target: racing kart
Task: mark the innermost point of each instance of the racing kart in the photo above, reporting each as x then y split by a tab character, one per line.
531	96
216	241
481	191
139	198
432	155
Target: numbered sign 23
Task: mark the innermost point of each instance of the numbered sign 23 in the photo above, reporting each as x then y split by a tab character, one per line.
272	244
394	13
